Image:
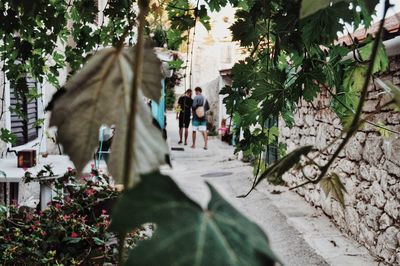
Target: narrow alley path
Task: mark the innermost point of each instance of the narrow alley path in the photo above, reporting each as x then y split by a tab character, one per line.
298	233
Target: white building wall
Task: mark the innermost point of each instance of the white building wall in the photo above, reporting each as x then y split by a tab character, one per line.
211	52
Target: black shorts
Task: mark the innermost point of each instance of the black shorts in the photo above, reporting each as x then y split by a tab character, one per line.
184	120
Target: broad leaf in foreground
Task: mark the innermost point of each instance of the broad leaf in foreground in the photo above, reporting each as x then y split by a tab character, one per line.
381	62
100	94
185	233
309	7
332	185
348	96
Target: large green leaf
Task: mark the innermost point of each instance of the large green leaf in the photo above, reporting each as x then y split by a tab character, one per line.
244	30
354	78
249	112
100	94
215	5
185	233
329	21
309	7
381	62
367	10
347	95
174	39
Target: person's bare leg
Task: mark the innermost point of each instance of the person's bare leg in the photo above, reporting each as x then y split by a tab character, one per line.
186	135
180	135
205	136
194	139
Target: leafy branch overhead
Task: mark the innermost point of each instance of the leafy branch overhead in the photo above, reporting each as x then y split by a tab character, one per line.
41	38
99	94
287	63
185	233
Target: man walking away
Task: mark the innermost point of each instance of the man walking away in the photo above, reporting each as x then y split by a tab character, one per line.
200	107
185	103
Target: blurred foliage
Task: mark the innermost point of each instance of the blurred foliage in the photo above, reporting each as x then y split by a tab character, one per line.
45	39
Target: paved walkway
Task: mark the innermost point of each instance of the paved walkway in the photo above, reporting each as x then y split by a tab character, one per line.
299	233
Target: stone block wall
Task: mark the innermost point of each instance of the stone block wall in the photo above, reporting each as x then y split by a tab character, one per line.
369	167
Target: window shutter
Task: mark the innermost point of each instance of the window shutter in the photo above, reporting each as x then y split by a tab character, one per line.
24	128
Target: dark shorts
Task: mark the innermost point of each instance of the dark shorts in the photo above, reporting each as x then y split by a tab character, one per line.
184	120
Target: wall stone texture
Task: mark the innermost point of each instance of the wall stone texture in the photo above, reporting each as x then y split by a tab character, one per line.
369	167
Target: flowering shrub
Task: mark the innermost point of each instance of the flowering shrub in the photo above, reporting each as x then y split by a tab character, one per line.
71	231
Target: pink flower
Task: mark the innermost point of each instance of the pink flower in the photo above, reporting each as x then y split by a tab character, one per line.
84	219
90	192
58	206
29	216
103	211
66	217
74	235
69	169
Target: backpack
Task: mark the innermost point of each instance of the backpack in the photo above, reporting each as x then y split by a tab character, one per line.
200	111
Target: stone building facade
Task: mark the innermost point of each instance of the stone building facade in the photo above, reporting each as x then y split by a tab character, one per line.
369	167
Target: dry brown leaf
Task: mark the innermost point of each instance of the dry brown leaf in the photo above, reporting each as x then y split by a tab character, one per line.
332	185
100	94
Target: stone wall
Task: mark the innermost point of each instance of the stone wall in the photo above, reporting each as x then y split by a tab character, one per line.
369	167
211	92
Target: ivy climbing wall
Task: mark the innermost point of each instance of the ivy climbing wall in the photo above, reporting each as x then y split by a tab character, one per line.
369	167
